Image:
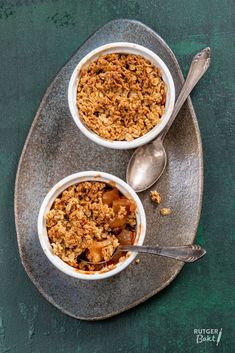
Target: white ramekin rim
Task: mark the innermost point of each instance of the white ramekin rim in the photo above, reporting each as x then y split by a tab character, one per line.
56	191
122	47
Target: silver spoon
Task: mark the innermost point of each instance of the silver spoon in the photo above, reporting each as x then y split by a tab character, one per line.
185	253
149	161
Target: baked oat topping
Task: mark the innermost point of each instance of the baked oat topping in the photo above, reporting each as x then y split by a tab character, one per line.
155	196
165	211
91	219
121	96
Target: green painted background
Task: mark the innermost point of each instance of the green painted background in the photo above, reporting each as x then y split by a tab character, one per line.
36	39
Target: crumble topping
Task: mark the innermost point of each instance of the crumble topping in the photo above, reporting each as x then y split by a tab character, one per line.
121	96
91	219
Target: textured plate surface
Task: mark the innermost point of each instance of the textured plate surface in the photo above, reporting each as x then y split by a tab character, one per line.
55	148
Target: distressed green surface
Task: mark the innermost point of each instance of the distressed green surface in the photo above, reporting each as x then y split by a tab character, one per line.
36	39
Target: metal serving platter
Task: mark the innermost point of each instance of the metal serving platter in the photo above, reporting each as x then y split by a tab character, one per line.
55	148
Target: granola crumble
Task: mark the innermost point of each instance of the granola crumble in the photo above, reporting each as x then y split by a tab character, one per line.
121	96
91	219
155	196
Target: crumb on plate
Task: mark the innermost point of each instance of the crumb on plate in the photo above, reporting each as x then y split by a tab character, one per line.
155	196
165	211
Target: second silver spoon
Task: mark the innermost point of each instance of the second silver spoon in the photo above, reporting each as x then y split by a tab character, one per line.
185	253
149	161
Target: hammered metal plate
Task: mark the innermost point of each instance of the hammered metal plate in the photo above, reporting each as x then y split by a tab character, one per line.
55	148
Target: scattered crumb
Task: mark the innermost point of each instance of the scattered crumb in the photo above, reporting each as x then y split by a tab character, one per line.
165	211
155	196
137	261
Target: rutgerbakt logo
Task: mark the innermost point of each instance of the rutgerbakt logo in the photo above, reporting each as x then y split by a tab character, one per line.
208	335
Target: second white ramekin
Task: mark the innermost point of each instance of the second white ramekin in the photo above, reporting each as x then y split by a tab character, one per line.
123	187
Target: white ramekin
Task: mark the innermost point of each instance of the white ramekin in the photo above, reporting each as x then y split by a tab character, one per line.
127	48
56	191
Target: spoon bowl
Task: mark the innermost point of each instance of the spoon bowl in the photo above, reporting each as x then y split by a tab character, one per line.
146	165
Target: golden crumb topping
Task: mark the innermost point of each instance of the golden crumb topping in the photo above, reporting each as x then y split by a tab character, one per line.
121	96
90	219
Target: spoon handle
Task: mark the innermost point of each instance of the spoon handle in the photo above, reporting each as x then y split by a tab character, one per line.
186	253
199	66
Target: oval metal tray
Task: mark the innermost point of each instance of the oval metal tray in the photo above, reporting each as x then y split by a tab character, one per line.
55	148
